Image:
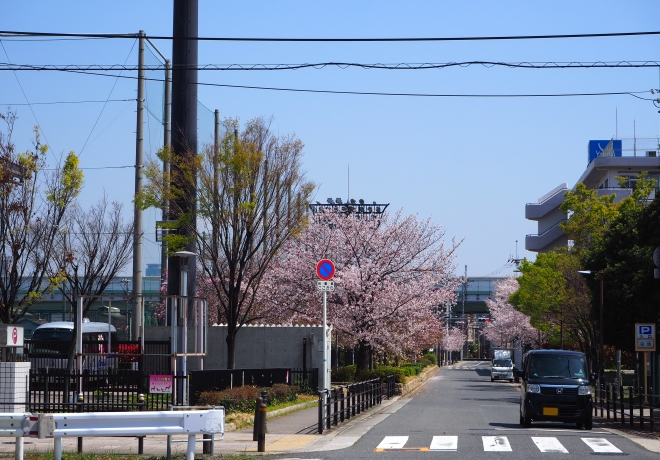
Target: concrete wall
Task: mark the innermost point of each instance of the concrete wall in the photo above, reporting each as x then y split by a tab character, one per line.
257	347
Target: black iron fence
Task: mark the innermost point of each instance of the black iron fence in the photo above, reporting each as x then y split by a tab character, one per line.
56	390
343	402
221	379
629	406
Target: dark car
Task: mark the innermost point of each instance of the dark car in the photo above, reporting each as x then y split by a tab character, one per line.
555	387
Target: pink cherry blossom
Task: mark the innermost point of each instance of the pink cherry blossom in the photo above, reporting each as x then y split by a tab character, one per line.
507	324
391	274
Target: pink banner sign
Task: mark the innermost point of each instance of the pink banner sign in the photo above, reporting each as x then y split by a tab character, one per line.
160	384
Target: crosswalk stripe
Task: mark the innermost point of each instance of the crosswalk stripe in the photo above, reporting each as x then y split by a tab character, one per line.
444	443
549	445
601	446
393	442
496	444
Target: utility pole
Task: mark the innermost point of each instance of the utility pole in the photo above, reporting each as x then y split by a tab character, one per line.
463	309
167	143
184	127
136	314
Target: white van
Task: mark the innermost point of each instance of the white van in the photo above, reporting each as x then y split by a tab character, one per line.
50	344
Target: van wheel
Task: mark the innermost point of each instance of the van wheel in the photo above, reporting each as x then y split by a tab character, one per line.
527	422
589	424
492	379
522	420
579	425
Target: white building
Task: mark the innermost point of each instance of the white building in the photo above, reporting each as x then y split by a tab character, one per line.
607	160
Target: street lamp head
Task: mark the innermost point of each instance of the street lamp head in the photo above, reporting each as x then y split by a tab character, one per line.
585	272
185	254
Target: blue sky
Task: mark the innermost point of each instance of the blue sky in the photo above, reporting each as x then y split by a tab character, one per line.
470	164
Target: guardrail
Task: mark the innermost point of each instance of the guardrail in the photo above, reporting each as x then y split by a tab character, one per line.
190	423
17	425
58	426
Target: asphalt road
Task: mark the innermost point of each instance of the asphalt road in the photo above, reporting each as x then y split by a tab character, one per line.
459	413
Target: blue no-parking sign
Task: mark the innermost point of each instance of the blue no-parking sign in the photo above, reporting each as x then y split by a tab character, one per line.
325	269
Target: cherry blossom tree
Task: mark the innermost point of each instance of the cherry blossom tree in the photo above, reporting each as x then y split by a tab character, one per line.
391	273
454	339
507	324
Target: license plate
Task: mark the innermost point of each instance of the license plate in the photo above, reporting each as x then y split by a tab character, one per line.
551	411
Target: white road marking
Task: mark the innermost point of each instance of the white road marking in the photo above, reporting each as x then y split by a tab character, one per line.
393	442
496	444
601	446
444	443
549	445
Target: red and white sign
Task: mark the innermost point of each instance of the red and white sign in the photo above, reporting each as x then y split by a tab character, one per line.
325	269
11	336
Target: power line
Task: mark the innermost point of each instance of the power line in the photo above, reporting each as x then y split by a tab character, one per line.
25	95
106	103
291	39
69	102
341	65
375	93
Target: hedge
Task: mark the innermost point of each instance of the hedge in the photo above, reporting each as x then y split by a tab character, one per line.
242	399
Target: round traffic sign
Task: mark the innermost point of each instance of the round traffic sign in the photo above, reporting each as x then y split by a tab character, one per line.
325	269
14	336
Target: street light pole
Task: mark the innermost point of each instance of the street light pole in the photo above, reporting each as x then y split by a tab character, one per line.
602	364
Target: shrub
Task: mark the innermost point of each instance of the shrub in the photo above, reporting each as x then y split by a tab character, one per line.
381	372
281	393
433	360
242	399
344	374
239	399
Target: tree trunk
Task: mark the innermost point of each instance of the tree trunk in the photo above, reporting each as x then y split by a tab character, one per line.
231	347
362	361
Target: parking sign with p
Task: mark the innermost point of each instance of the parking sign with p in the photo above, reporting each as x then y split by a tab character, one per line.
645	337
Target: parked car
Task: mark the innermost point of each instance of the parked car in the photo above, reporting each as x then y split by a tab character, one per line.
555	387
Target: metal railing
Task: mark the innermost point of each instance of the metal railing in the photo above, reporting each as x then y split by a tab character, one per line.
55	390
342	402
629	406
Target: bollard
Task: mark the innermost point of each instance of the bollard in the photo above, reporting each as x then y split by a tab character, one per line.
621	397
257	414
320	427
79	408
141	405
261	443
264	396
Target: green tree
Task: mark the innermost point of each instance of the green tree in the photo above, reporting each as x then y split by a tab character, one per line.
557	300
251	197
32	206
630	292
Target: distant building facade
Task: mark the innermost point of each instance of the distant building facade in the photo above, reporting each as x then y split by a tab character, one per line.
606	162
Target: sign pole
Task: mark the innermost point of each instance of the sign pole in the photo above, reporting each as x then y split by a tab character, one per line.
326	383
325	270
